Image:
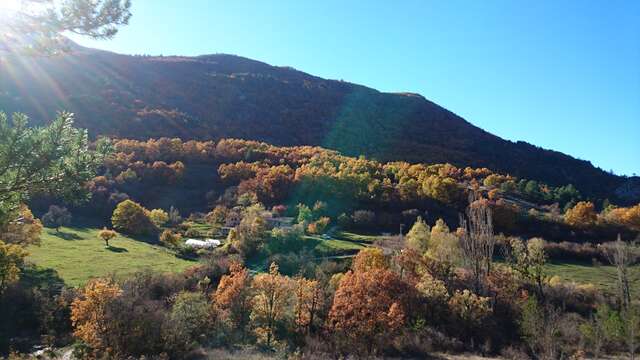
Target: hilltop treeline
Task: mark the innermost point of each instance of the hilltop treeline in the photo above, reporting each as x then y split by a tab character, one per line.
288	176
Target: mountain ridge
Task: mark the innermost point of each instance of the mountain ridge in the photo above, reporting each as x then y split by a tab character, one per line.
217	96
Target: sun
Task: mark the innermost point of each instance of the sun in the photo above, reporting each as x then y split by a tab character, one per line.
11	5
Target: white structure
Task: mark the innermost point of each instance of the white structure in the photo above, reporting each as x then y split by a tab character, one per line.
206	243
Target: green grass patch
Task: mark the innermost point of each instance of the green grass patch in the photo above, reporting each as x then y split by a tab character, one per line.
203	229
78	254
353	237
333	247
603	277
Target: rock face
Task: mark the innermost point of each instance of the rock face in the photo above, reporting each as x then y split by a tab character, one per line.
218	96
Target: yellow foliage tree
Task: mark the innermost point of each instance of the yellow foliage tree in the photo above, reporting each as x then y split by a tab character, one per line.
631	217
88	311
11	258
369	259
581	215
469	307
418	236
131	217
106	235
23	230
272	296
443	245
444	189
159	217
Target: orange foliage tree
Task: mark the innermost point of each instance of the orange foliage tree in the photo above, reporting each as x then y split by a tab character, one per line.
581	215
232	299
367	308
309	298
88	311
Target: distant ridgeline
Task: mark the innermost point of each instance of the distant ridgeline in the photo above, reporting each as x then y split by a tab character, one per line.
221	96
196	176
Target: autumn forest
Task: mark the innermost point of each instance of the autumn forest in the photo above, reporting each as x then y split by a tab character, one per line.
216	207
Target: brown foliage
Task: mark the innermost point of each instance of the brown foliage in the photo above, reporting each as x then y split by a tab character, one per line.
309	299
367	308
232	300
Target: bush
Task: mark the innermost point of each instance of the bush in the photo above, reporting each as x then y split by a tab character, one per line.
130	217
192	233
319	226
170	239
187	252
285	240
56	217
159	217
187	323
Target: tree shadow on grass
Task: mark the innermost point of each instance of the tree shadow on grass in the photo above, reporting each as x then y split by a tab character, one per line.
35	276
116	249
65	235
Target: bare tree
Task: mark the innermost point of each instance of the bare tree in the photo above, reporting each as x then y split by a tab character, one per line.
477	240
623	255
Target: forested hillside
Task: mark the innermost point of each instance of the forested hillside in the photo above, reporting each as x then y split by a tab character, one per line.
224	96
196	176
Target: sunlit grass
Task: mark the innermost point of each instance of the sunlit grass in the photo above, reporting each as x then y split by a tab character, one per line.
350	236
78	255
603	277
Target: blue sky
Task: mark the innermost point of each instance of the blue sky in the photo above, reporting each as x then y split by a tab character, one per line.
563	75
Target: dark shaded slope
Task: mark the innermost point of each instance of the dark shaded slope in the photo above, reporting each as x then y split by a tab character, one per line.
216	96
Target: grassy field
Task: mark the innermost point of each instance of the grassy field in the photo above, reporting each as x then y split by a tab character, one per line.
603	277
78	255
333	247
353	237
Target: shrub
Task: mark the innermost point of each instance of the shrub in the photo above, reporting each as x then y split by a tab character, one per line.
187	252
130	217
285	240
170	239
159	217
187	323
192	233
56	217
319	226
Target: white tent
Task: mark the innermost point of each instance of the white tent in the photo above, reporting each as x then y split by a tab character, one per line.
206	243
